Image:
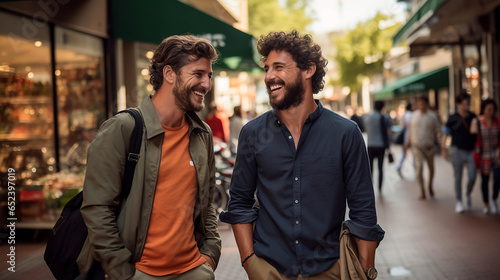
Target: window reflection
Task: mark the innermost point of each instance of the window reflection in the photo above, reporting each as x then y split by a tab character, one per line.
80	94
26	112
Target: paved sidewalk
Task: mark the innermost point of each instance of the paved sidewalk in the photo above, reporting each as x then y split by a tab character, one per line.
424	239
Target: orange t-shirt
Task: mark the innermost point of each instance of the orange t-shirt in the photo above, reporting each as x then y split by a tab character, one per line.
170	245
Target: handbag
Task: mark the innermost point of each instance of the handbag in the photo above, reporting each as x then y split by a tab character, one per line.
390	157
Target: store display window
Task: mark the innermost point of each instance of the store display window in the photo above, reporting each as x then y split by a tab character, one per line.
144	54
49	161
80	94
26	112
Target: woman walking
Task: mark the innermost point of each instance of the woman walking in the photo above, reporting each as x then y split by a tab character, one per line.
487	126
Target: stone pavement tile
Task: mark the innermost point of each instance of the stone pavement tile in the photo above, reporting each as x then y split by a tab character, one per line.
229	264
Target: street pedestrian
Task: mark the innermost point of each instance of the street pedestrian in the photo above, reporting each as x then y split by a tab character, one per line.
235	125
487	128
305	162
353	115
424	130
215	124
460	152
377	128
405	125
167	227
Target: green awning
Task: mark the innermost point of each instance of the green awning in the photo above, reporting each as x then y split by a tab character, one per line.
384	94
420	17
419	82
150	21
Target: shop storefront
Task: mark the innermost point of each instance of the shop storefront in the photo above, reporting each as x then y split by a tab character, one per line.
433	84
66	66
138	29
469	30
52	101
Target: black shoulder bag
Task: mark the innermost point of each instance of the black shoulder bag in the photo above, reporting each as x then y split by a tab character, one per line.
70	232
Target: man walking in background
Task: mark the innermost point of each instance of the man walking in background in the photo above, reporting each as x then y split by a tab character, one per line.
424	130
377	129
460	151
405	125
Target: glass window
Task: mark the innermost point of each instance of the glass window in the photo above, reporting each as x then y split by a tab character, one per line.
26	112
80	94
144	54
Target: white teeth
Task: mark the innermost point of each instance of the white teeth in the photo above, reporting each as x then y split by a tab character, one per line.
199	93
273	87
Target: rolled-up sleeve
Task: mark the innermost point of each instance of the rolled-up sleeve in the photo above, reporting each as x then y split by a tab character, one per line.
241	209
359	190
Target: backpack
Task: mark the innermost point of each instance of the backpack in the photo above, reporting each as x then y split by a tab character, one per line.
70	232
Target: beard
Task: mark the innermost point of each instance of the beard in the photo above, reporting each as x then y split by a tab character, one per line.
293	96
182	95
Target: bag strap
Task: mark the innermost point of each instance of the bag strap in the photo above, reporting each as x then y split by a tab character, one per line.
133	153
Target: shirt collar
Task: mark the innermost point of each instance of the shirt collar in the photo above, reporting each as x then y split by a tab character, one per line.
312	117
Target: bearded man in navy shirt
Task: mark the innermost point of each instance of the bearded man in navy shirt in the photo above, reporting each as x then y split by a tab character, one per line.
306	163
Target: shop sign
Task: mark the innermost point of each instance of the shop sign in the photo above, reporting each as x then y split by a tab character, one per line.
416	87
217	39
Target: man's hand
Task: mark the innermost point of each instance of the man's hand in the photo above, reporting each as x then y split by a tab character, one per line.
209	261
445	153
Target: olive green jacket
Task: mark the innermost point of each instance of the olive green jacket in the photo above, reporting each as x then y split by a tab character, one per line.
118	243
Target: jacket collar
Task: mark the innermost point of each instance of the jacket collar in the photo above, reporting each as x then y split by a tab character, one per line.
153	125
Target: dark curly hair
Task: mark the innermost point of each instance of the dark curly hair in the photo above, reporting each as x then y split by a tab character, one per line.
487	102
302	49
177	51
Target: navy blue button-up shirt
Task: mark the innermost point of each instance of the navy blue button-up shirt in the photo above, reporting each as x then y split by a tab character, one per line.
302	192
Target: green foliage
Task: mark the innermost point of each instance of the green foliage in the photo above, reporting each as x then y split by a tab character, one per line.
265	16
361	51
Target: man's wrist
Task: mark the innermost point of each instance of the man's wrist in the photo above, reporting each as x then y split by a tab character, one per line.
246	259
370	272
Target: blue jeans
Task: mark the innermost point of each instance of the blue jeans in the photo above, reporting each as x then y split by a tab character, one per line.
458	158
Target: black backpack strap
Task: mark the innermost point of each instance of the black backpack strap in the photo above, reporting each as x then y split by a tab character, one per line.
133	152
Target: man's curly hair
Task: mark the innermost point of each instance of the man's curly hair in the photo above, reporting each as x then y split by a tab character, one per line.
302	49
177	51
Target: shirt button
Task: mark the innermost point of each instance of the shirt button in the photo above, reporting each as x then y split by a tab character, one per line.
296	222
296	242
296	178
290	137
296	201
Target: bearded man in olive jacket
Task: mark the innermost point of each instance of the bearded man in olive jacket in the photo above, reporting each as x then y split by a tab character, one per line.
167	225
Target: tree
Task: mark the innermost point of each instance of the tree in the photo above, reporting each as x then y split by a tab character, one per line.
265	16
361	51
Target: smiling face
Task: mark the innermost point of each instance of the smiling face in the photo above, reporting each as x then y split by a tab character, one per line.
193	82
284	80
